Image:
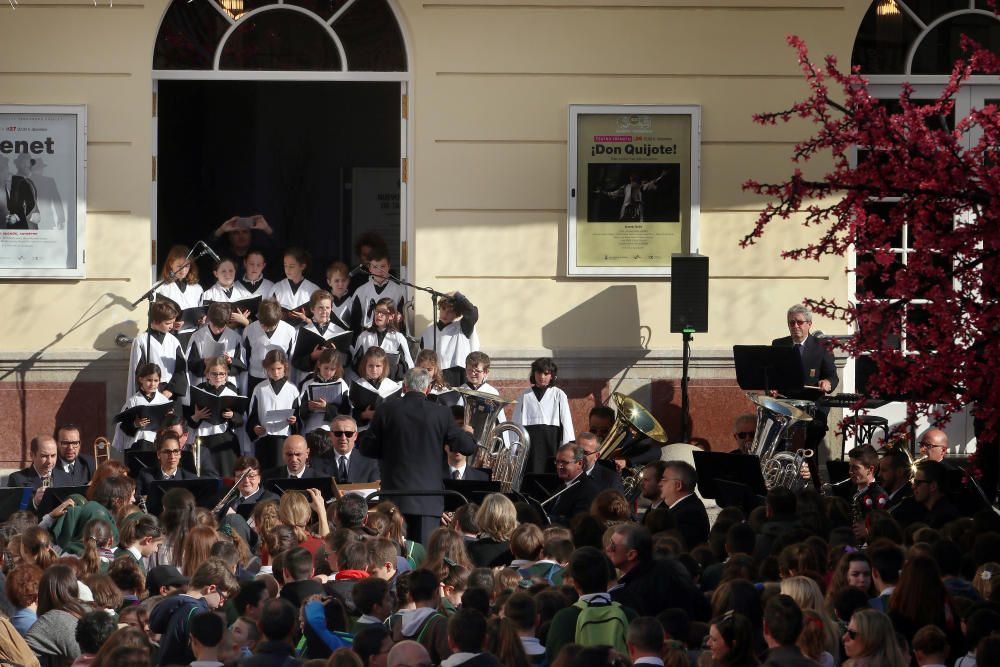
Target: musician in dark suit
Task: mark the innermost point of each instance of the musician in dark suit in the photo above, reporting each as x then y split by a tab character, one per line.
459	468
581	489
606	477
168	455
72	468
43	459
345	462
295	453
407	436
250	490
677	488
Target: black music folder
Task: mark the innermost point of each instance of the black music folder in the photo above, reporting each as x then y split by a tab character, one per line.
56	495
366	398
155	414
327	391
218	404
205	491
737	468
768	367
448	398
282	484
286	314
189	316
251	304
308	340
473	489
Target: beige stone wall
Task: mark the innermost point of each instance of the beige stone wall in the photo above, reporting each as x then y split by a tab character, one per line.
491	85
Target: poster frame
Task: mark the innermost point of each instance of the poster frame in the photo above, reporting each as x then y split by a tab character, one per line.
690	237
79	113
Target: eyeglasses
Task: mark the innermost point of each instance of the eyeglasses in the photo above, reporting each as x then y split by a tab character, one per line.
253	474
593	453
220	374
563	464
853	634
927	445
343	434
170	452
671	479
793	323
71	443
744	435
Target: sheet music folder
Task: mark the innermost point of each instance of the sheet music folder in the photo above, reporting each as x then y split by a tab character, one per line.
768	367
739	468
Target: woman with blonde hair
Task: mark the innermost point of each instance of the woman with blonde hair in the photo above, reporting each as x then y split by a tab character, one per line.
806	593
496	519
197	548
870	641
987	581
294	511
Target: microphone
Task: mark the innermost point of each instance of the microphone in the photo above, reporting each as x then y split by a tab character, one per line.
208	251
357	269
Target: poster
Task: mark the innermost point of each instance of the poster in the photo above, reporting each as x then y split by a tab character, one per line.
633	188
43	192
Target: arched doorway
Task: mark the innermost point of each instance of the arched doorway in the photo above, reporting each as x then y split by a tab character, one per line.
293	110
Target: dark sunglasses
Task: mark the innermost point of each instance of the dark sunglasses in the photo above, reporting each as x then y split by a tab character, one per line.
853	634
343	434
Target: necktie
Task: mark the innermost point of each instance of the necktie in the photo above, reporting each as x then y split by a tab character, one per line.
70	467
798	348
455	474
342	470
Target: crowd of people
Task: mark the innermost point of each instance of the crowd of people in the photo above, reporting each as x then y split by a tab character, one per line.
139	566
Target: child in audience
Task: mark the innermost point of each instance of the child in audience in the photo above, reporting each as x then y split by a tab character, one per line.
217	437
543	410
384	333
370	293
269	332
323	327
317	413
373	385
134	433
159	346
293	293
181	289
456	334
213	340
275	394
140	538
338	278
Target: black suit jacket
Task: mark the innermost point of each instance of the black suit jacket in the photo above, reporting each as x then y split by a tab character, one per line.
471	474
574	501
147	477
692	520
607	478
360	468
281	472
83	470
26	477
407	436
260	496
817	364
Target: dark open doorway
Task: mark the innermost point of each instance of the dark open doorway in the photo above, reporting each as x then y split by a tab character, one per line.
319	160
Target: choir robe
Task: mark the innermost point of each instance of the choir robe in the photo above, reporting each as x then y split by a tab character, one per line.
219	294
197	353
302	363
270	395
184	295
342	309
165	351
393	342
548	422
257	343
312	420
365	298
385	388
222	439
456	339
293	297
127	435
261	287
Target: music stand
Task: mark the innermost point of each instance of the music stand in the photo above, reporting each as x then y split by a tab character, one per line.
540	484
56	495
473	489
281	485
205	491
742	469
735	494
768	367
363	489
15	499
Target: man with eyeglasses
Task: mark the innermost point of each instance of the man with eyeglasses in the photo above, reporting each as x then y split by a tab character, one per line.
744	428
578	489
72	468
606	478
934	444
677	488
928	490
250	491
168	456
345	462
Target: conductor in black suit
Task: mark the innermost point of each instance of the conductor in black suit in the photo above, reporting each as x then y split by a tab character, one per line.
677	489
168	456
818	370
580	488
408	435
43	459
345	462
72	468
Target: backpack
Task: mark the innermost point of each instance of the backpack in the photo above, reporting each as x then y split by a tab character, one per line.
601	624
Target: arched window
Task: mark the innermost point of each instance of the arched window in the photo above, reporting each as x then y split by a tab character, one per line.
921	36
300	35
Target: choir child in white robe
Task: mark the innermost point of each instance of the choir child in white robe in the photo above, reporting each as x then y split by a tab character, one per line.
318	413
159	346
268	333
440	391
384	333
215	339
338	278
370	293
275	394
372	387
543	411
305	355
477	372
181	288
294	291
253	280
456	335
134	433
218	438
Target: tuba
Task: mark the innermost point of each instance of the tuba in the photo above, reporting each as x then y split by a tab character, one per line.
632	423
774	419
506	459
102	450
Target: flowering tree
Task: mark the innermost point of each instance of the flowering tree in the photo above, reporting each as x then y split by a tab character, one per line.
931	323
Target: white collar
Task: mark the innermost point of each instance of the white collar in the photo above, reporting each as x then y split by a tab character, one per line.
293	475
135	552
679	501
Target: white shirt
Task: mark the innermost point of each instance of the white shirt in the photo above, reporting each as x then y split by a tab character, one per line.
675	503
651	660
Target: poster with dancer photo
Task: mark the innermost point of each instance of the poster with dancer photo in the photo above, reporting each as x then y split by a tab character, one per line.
633	188
42	190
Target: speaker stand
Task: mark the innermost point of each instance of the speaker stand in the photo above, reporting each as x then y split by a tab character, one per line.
685	401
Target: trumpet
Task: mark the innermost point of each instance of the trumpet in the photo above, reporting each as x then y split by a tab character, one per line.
102	450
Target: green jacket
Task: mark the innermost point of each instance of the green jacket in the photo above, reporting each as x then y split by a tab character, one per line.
68	529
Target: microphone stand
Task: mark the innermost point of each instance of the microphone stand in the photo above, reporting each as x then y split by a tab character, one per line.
435	295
